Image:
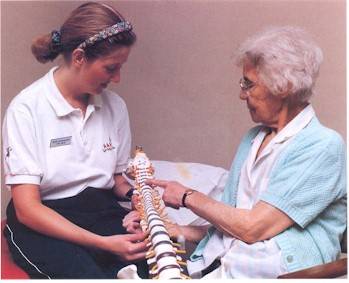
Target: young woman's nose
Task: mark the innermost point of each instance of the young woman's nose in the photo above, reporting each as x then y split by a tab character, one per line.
116	77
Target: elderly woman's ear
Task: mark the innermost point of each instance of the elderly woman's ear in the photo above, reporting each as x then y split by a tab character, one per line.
285	93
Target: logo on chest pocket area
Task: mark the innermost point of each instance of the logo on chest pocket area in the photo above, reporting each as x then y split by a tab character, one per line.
108	146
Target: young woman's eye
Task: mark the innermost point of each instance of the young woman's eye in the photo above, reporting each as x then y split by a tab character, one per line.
112	69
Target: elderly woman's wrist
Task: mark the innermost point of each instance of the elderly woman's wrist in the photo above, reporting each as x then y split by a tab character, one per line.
186	196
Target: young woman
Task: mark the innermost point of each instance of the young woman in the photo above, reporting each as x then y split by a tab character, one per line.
66	142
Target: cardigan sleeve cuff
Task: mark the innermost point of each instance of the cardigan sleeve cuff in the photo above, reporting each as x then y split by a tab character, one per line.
284	205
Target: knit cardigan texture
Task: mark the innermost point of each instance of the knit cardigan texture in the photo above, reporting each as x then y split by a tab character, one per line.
308	183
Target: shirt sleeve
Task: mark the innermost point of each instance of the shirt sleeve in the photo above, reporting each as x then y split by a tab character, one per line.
124	146
308	179
20	155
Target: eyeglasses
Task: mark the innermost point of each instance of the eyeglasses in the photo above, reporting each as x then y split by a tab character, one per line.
246	85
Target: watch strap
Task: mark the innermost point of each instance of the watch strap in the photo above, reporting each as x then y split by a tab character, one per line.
129	193
185	195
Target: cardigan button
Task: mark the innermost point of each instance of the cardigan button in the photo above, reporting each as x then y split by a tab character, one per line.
289	258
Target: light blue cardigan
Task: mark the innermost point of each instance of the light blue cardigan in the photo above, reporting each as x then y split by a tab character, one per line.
308	183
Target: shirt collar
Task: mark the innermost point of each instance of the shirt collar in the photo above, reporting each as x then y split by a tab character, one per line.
296	124
292	128
95	100
58	102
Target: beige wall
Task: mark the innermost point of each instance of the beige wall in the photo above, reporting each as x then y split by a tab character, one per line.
180	83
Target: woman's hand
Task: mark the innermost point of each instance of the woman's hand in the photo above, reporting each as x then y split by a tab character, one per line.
173	191
134	201
129	247
131	222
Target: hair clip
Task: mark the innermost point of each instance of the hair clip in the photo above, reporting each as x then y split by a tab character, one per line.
56	38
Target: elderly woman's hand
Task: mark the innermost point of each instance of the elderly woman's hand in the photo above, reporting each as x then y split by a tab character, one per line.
173	191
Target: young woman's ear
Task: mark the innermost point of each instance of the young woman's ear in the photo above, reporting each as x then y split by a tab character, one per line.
78	57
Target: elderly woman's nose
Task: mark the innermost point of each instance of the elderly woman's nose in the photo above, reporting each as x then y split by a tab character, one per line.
243	95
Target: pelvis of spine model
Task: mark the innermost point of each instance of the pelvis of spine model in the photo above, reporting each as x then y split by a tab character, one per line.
163	254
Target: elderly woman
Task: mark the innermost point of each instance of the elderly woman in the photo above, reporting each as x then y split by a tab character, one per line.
284	205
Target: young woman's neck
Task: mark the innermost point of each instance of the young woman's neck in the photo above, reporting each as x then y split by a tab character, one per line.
68	85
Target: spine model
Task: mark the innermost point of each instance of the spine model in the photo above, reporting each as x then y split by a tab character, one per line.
162	256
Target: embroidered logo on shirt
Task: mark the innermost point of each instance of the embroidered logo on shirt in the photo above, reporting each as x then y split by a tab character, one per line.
60	141
108	146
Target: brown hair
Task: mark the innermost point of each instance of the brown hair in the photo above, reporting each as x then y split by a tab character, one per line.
83	22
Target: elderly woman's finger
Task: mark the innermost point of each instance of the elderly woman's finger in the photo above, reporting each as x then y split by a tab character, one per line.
155	182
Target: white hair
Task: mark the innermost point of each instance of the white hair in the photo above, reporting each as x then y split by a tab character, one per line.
286	58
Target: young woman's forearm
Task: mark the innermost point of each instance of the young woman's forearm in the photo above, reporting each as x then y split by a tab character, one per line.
32	213
121	186
48	222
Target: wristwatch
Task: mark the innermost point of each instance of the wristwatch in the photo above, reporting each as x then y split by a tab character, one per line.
129	193
186	194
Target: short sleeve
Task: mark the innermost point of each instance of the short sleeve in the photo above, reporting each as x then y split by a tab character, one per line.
20	153
124	134
308	179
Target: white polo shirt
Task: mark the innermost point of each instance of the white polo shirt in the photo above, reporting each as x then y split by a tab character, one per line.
49	143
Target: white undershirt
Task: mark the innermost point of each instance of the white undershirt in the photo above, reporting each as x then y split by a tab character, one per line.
262	259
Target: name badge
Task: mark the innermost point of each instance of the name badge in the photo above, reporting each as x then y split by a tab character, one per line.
60	141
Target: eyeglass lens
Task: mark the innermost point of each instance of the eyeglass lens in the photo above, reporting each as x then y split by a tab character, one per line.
246	84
